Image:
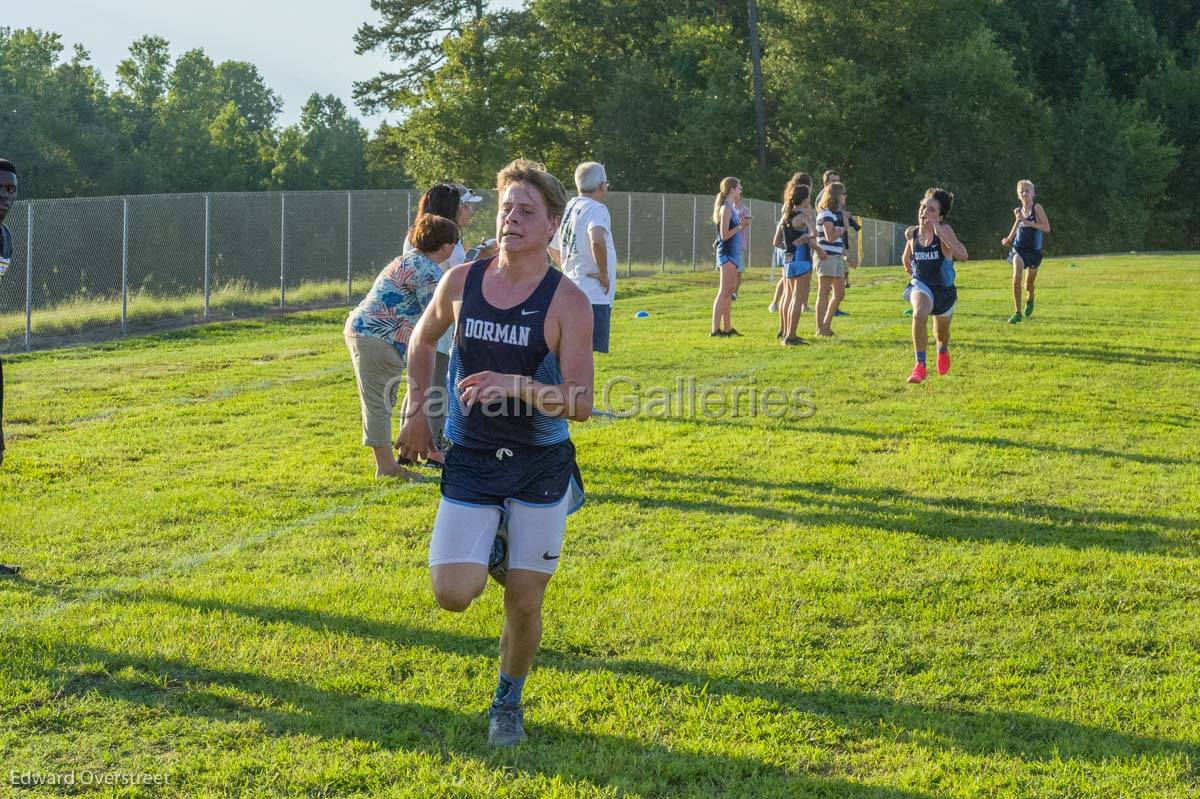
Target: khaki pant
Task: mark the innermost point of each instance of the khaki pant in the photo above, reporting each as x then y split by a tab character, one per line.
379	370
833	266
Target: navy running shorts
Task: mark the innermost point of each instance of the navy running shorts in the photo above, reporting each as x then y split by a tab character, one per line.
533	475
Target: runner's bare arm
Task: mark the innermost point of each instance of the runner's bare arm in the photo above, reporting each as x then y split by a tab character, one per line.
950	242
1043	222
415	439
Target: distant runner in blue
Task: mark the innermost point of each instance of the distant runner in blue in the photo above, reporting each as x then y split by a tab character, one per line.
929	255
1029	227
520	367
732	222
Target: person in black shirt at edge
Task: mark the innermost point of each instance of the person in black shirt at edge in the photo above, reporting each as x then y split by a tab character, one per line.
8	194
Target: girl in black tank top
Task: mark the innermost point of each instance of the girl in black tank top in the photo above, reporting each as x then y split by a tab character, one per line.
799	237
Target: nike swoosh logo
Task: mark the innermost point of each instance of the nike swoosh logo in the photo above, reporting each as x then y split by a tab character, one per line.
529	313
548	556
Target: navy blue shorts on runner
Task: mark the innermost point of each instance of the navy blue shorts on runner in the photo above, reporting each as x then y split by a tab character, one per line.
601	324
1032	258
944	298
533	475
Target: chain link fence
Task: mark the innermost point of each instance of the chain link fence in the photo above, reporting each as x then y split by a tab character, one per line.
91	269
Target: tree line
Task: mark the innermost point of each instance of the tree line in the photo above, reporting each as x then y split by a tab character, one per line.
1097	102
170	124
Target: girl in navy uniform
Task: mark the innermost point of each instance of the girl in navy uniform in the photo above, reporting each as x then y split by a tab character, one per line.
731	224
520	367
800	246
798	179
1029	226
929	255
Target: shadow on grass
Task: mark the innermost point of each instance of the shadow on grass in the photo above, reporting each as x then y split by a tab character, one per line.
861	716
287	707
819	502
813	426
1129	356
1021	446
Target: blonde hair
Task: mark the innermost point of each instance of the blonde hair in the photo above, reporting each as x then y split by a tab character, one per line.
1028	183
534	174
832	198
727	185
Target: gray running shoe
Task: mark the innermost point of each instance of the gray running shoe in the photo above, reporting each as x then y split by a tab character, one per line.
506	725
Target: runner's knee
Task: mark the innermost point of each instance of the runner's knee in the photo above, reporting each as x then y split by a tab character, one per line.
454	593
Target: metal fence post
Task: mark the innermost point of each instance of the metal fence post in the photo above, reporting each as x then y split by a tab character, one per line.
629	240
694	209
878	258
349	247
207	252
124	265
663	236
282	250
29	277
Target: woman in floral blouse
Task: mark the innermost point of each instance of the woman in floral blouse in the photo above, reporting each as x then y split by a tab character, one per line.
377	331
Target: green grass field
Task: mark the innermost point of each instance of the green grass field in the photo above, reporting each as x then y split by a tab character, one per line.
984	586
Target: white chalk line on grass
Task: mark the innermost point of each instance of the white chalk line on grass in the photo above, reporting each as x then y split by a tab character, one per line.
216	395
185	564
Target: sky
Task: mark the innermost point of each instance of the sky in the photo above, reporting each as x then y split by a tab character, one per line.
299	46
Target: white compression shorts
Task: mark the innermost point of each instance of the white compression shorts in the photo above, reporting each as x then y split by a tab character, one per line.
464	533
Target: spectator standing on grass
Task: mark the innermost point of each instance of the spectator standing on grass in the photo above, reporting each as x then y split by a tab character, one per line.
732	223
455	202
378	330
799	179
8	195
829	177
800	245
584	248
832	270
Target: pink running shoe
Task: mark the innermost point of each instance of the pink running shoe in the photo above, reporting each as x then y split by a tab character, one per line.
943	362
918	374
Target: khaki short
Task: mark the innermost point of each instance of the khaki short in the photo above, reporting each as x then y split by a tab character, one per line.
833	266
379	369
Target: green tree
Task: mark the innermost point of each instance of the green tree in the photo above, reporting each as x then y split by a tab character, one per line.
240	83
411	33
57	124
142	81
1111	164
385	160
325	150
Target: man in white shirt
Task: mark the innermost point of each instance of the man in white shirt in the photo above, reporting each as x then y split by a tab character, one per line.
583	247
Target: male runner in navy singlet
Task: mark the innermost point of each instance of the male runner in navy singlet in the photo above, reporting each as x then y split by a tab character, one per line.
520	367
